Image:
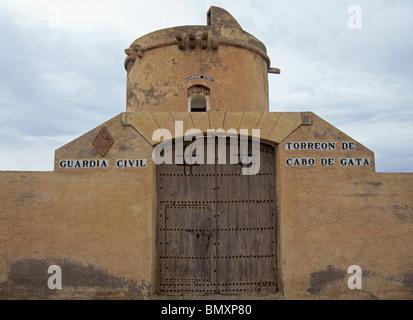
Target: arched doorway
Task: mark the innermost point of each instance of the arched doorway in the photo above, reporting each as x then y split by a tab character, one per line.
216	228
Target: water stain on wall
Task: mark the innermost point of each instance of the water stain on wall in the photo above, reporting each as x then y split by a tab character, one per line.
28	279
319	280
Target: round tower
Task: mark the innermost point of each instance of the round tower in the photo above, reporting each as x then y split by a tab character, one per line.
198	68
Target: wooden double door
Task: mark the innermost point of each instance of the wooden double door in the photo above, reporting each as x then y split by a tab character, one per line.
216	228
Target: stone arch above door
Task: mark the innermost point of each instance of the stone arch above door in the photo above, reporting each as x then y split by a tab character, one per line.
274	126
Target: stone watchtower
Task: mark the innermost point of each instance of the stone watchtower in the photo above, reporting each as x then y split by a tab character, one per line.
198	68
121	225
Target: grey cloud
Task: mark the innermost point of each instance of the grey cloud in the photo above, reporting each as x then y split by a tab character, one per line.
66	82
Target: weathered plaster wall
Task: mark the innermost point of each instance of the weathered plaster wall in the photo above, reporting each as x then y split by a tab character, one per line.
156	82
335	217
98	224
161	63
330	224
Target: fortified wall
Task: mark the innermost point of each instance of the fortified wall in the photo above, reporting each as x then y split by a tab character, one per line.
120	225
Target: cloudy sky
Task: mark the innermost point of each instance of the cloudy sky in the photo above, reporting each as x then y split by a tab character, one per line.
61	67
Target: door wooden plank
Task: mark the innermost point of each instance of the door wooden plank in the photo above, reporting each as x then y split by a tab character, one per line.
211	217
233	223
221	217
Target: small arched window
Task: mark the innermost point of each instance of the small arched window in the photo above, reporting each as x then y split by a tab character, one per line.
198	98
198	103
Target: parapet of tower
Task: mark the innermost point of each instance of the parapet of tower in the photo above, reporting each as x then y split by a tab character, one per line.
198	68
